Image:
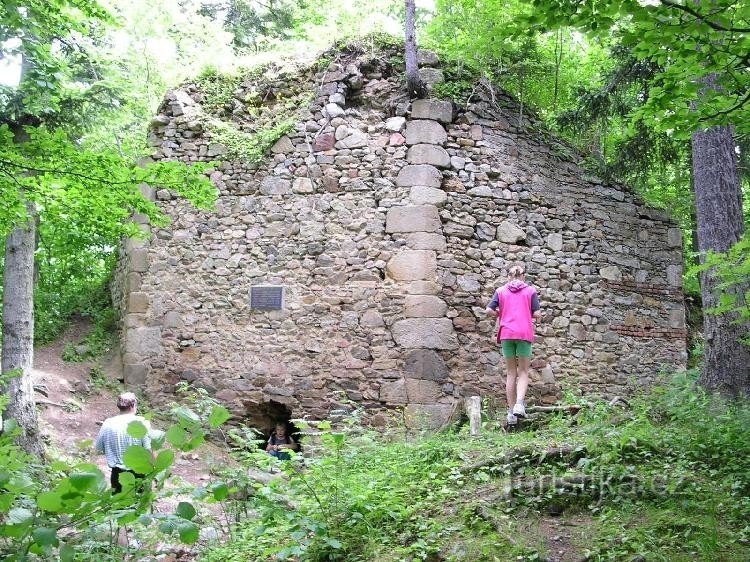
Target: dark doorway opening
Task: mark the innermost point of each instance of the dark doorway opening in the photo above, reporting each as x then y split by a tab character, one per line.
266	415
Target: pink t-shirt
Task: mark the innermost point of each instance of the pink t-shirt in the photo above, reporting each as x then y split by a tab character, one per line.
515	311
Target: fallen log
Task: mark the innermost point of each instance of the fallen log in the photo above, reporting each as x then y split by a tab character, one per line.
529	455
51	403
569	409
593	484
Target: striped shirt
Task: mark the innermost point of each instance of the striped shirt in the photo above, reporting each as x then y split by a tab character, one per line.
113	439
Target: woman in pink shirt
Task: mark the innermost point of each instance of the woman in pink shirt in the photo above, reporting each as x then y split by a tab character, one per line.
516	306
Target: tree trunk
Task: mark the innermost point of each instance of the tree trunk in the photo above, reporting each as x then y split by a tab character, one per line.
414	84
18	322
720	224
18	332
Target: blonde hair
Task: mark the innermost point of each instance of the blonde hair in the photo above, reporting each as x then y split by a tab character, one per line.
516	272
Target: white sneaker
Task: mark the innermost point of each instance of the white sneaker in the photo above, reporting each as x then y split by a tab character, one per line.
519	410
512	420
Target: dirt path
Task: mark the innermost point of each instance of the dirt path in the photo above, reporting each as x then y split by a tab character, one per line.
563	536
72	409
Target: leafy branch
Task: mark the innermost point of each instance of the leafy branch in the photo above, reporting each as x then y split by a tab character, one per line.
704	18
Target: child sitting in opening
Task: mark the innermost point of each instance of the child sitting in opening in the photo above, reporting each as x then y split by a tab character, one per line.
279	441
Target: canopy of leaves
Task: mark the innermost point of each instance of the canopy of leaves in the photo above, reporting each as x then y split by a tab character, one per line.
687	40
71	94
253	24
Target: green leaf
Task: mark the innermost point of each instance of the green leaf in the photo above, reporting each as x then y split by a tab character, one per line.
177	436
157	439
67	553
219	415
185	510
138	459
333	543
188	531
127	479
195	442
220	491
49	501
137	430
20	516
187	417
85	480
45	536
164	460
127	517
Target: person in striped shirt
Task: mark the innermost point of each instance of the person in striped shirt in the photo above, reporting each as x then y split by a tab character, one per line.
113	439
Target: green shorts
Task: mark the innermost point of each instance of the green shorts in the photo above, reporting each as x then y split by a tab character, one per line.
516	348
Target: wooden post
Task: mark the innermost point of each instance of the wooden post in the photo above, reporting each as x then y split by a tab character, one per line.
473	405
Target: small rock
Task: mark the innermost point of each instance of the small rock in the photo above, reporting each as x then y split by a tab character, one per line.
395	124
333	110
337	98
427	58
302	185
282	145
510	233
216	149
323	142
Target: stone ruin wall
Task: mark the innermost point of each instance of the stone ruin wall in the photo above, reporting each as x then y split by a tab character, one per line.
390	224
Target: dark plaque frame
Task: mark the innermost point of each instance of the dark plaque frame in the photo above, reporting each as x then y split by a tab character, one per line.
267	297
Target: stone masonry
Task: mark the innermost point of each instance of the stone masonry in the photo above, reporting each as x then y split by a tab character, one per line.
390	224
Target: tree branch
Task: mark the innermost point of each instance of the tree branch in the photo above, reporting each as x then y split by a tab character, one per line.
64	173
704	18
745	99
98	179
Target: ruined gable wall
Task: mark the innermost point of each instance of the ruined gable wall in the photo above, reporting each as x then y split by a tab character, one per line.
390	234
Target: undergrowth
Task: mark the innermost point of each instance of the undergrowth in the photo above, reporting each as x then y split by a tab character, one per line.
665	478
246	113
85	293
99	340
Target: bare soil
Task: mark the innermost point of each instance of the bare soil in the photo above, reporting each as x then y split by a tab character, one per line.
72	408
563	537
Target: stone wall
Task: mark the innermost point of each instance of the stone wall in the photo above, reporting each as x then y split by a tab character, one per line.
390	224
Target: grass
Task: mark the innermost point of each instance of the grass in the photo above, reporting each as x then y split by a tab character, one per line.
666	479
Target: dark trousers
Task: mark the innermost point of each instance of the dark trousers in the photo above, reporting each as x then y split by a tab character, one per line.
115	478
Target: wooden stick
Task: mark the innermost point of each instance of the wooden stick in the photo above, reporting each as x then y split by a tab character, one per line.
572	409
619	400
51	403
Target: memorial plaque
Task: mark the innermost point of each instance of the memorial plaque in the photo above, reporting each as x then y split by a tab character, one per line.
267	297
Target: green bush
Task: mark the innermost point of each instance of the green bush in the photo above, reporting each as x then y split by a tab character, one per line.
66	510
99	340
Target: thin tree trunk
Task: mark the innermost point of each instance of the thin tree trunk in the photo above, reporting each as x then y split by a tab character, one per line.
558	64
18	332
720	224
414	84
18	324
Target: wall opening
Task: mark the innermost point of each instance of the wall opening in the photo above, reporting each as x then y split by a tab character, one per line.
266	415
